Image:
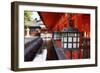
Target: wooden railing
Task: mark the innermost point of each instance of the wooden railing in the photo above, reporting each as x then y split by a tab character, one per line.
59	52
31	48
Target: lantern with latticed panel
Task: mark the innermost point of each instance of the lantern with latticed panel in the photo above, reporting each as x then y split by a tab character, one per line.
71	37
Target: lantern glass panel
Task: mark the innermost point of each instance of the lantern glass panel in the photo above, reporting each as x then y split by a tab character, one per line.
62	39
65	45
69	45
78	39
65	39
78	34
64	34
74	45
69	39
74	39
75	34
70	34
77	45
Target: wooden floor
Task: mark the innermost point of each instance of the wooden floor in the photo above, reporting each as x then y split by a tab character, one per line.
46	52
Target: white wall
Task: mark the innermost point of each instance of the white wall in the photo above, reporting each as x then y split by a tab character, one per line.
5	32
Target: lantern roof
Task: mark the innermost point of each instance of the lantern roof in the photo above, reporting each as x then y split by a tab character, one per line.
71	24
70	29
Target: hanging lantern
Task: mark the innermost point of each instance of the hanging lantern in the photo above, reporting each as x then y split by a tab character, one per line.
71	37
70	40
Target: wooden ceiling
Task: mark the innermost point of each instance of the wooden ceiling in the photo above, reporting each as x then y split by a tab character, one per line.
58	21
